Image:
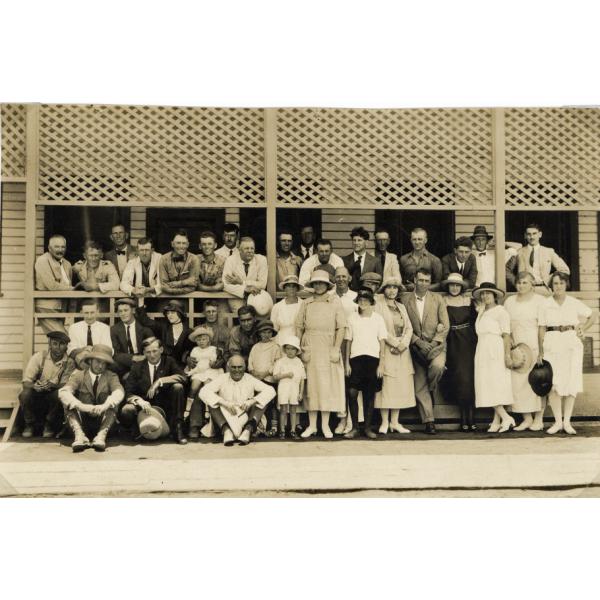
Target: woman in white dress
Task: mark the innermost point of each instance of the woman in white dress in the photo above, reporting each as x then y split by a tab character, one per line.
284	312
524	309
562	323
493	385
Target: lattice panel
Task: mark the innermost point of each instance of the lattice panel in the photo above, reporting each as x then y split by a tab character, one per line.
14	118
553	157
151	154
429	157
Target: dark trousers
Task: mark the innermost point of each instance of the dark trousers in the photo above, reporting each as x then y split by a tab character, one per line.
363	378
41	406
197	413
171	398
255	414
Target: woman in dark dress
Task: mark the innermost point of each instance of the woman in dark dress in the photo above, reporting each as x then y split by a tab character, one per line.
459	379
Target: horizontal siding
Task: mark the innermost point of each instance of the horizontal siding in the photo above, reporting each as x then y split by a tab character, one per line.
137	224
336	225
232	215
588	270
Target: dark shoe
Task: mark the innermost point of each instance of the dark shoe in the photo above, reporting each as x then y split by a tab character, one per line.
430	429
80	443
282	435
245	436
370	434
473	427
350	435
194	432
464	427
294	435
179	435
99	443
48	432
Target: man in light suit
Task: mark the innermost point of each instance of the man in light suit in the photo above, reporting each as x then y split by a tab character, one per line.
429	319
244	274
539	260
122	251
389	261
53	273
461	261
360	261
140	278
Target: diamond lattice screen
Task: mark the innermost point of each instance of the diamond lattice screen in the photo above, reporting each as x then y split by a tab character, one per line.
13	117
437	157
553	157
151	154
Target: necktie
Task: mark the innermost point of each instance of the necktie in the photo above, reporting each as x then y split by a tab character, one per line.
531	257
145	275
358	265
482	254
246	267
129	343
152	373
230	251
90	342
382	257
95	386
460	268
178	258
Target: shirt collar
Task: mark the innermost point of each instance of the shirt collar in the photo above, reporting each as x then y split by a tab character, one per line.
419	299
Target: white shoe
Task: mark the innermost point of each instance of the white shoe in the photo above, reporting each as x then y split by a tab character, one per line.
537	427
399	429
341	427
526	424
228	439
383	429
569	429
555	428
308	432
506	425
494	428
327	433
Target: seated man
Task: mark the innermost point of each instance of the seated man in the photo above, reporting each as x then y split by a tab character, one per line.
179	269
45	373
127	336
237	402
89	332
91	398
95	274
243	336
462	261
156	381
140	278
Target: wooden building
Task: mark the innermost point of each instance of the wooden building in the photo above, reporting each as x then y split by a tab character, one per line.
77	169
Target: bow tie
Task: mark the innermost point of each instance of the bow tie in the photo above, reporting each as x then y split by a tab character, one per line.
178	258
122	252
482	254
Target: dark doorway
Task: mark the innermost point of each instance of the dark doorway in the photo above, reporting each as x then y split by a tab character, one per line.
560	231
439	225
162	223
81	223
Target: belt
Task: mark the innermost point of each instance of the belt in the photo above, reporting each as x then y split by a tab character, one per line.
462	326
561	328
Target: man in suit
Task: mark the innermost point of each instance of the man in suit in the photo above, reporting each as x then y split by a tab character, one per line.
156	381
94	273
429	319
360	261
179	269
244	274
420	258
389	261
308	245
141	278
53	273
91	398
127	336
122	251
461	261
539	260
323	257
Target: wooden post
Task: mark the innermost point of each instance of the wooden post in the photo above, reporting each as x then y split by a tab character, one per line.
31	195
498	179
271	196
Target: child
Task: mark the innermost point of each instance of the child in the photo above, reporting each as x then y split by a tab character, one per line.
290	373
261	362
207	357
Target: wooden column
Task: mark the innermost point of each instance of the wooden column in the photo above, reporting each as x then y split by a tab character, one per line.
498	179
271	195
31	195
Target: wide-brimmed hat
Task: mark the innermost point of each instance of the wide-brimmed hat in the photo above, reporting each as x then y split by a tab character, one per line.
391	281
61	336
264	326
522	358
480	230
201	330
291	279
540	378
175	306
153	424
262	303
100	352
129	301
327	268
290	340
319	276
365	293
487	286
454	278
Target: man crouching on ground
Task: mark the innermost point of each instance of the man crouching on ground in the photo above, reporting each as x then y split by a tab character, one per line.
237	402
91	398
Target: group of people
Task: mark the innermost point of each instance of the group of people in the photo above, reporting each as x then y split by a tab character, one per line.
361	336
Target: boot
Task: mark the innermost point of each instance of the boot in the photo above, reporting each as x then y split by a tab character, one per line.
81	442
99	442
179	435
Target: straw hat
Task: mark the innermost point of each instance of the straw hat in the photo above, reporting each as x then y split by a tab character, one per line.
318	277
522	358
198	331
487	286
291	279
391	281
290	340
100	352
153	424
454	278
262	303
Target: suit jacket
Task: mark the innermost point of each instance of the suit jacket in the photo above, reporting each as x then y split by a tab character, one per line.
118	336
257	274
106	275
111	256
132	276
138	382
450	265
391	267
434	314
49	278
298	251
79	387
163	329
187	277
548	260
370	264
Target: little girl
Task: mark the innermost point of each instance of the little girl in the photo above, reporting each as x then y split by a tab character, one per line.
290	373
207	357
